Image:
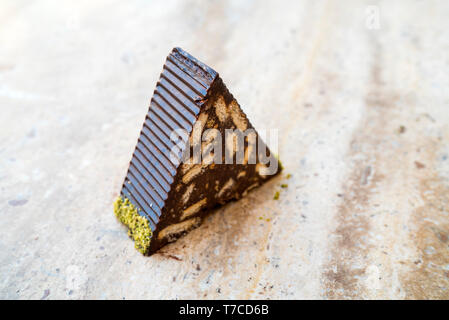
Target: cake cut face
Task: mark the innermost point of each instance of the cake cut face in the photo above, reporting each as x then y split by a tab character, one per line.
196	150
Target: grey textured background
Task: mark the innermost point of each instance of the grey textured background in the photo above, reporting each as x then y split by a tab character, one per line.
363	116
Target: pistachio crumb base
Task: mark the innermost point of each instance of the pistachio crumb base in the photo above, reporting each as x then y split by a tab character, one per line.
138	227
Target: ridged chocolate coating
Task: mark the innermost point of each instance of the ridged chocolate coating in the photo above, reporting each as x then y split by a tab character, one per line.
177	99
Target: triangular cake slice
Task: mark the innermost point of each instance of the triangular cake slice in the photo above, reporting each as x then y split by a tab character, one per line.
168	189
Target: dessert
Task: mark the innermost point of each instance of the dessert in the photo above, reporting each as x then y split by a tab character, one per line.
196	150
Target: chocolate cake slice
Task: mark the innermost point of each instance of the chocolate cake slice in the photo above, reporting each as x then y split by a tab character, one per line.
196	150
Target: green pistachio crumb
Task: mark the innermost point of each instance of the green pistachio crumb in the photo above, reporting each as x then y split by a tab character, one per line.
276	195
289	176
138	227
281	167
284	185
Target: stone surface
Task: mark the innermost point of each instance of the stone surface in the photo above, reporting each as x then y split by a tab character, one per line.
362	110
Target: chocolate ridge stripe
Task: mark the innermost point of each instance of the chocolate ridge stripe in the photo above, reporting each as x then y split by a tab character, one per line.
162	137
151	160
145	178
185	88
206	72
146	188
191	84
186	91
163	102
187	102
149	205
148	166
166	118
162	125
125	193
180	109
183	63
152	137
181	66
155	197
156	153
133	197
137	192
161	194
